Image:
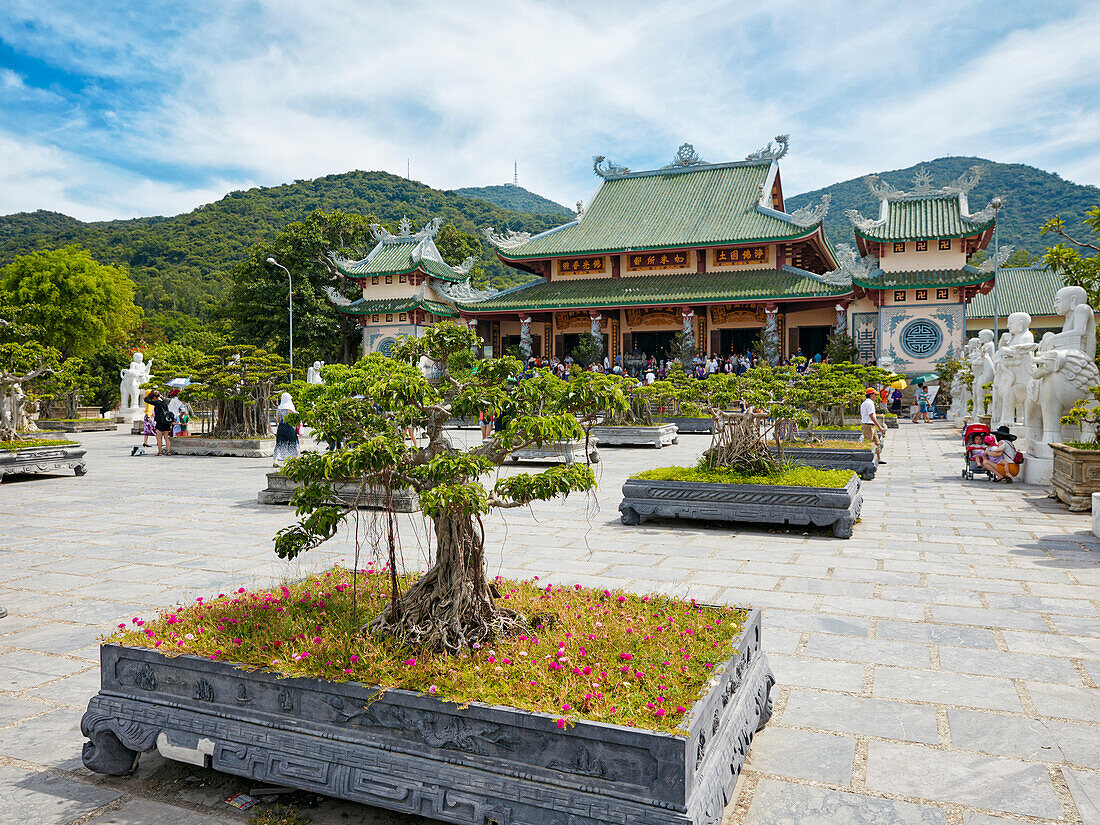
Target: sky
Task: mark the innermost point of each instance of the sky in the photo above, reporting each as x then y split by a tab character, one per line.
117	110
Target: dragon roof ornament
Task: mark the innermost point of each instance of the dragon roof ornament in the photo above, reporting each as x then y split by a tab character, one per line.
772	152
987	214
685	156
861	223
510	240
610	169
852	266
337	298
807	216
404	231
997	261
922	185
466	293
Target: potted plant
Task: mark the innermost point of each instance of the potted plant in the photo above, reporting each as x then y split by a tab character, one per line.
678	399
745	474
61	393
461	697
634	426
24	363
1076	472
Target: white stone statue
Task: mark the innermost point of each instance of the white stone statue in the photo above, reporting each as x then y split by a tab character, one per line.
1012	371
131	402
1063	370
313	373
981	364
957	411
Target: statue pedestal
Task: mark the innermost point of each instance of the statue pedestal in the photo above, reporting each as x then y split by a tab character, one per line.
1096	514
1038	470
129	416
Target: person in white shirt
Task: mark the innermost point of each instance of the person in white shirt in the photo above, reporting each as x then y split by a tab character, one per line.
650	377
871	425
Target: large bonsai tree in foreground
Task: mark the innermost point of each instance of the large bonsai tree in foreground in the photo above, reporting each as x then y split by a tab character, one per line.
368	407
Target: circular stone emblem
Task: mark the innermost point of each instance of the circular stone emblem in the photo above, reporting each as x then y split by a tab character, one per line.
921	338
386	345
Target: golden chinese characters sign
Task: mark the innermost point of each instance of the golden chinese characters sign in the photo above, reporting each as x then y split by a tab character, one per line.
637	262
572	265
739	255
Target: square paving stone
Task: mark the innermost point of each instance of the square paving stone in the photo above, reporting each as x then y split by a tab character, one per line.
1009	665
1078	625
1065	701
946	688
877	651
1055	644
146	812
937	634
869	717
979	781
1085	790
1040	604
872	607
800	671
74	691
803	755
782	803
13	709
821	622
995	619
54	638
1045	740
32	798
930	595
53	740
20	670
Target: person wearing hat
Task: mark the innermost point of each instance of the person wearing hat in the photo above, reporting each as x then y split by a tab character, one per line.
162	418
1000	457
868	418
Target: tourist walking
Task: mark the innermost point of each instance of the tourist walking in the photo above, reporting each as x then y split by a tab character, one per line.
162	421
922	405
286	436
868	418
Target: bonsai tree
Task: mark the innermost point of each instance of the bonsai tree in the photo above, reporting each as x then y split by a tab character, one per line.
66	387
839	348
1085	413
235	387
366	410
20	365
834	388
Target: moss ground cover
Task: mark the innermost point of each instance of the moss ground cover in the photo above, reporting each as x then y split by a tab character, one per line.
594	654
832	444
793	476
1084	445
36	442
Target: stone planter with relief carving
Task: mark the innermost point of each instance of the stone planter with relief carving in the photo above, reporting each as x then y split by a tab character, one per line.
408	752
44	459
1075	475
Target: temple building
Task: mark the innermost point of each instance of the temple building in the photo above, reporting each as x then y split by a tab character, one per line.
708	250
405	285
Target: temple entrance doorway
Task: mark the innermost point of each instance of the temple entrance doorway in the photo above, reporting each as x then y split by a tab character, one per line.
569	342
661	345
508	341
811	340
739	341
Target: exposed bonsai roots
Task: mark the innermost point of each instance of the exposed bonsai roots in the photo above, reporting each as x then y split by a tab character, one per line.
451	606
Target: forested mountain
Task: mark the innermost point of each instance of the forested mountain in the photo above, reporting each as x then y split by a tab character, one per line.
1031	195
516	198
184	262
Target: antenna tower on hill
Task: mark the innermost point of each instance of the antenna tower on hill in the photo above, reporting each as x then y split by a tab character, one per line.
515	173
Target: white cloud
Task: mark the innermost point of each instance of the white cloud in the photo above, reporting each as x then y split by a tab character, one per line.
284	91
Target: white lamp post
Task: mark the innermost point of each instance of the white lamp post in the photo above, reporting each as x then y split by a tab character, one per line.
289	301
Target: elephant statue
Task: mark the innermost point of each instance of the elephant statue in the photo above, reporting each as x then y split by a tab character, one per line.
1059	378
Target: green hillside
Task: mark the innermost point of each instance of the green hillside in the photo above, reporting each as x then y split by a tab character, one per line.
517	199
183	262
1032	196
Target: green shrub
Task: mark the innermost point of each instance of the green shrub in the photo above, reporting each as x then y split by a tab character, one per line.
790	477
36	442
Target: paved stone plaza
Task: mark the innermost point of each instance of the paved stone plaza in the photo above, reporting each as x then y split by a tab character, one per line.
942	666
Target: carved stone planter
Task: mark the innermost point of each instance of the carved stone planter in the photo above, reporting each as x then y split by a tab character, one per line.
567	452
403	751
832	435
838	507
403	500
1075	475
235	447
83	425
43	459
694	426
657	436
861	459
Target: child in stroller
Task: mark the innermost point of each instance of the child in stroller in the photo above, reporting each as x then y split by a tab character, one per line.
974	450
991	453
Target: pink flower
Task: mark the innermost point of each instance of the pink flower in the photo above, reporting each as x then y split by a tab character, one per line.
561	724
354	658
431	689
626	657
660	711
566	708
555	666
317	640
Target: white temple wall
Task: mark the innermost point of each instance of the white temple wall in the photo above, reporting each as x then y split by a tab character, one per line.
932	258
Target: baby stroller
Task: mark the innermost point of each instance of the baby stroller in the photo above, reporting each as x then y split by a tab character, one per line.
973	443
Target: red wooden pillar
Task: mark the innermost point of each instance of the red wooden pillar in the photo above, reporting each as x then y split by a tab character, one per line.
701	261
615	273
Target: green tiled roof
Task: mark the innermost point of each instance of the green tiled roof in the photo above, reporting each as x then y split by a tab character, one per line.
1019	289
921	219
966	276
401	257
365	307
669	208
644	290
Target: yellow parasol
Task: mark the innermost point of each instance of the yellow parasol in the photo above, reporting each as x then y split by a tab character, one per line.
898	385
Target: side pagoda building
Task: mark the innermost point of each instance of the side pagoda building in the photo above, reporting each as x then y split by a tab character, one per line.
706	249
405	284
910	278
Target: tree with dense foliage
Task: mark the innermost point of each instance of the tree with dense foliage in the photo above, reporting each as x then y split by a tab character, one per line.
1079	264
23	360
367	408
77	303
63	391
233	390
